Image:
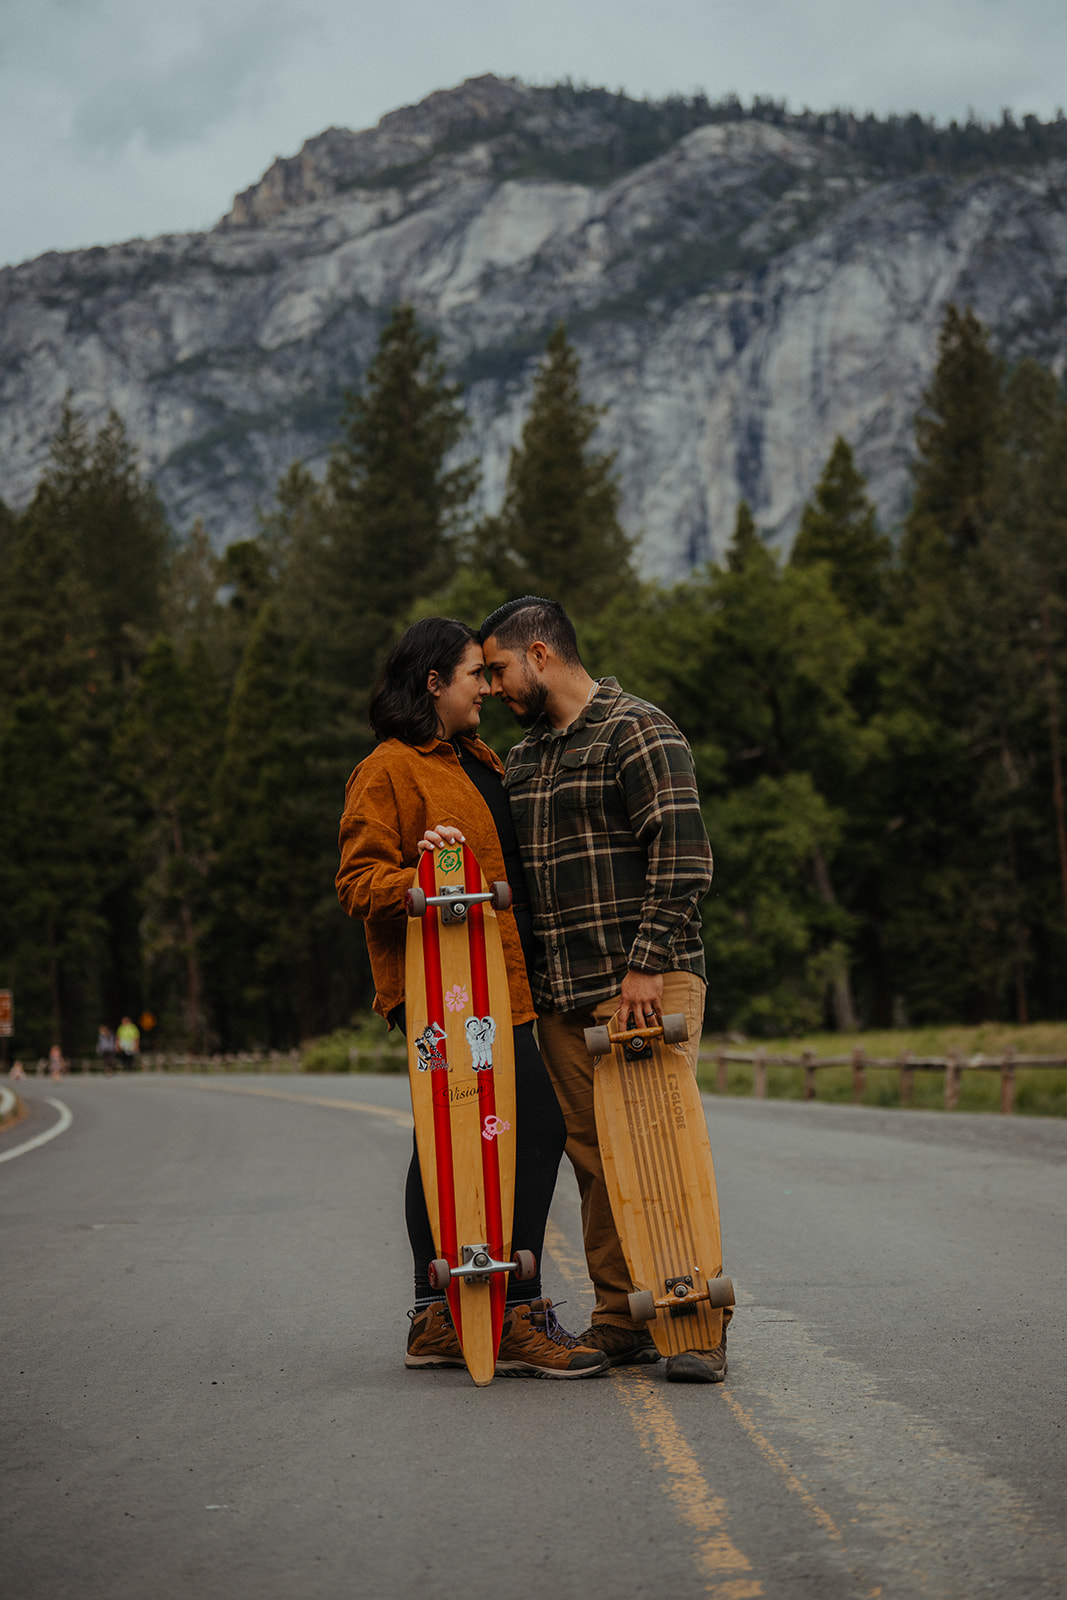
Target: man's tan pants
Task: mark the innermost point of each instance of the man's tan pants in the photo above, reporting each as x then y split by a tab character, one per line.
570	1066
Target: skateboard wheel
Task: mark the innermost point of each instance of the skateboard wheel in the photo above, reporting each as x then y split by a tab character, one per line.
415	902
598	1041
500	896
642	1305
439	1273
720	1292
525	1264
675	1028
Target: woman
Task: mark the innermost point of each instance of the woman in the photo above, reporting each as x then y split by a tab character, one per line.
431	780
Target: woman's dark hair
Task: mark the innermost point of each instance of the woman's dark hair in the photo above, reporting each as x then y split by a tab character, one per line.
401	706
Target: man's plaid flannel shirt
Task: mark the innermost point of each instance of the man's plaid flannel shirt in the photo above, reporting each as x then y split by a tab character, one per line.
615	848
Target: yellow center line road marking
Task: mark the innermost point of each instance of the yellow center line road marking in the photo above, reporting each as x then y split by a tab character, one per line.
403	1119
716	1555
695	1506
780	1464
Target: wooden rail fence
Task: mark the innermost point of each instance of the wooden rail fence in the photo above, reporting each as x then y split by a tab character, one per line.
954	1065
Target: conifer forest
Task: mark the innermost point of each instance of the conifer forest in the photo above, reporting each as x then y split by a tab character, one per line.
877	720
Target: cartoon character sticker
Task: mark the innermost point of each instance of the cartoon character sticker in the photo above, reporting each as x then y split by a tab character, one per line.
481	1031
426	1046
494	1126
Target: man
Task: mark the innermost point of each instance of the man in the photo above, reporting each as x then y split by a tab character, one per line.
605	803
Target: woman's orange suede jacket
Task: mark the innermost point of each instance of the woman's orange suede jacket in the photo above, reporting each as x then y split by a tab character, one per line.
390	801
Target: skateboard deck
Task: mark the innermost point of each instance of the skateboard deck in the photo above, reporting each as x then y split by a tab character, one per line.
461	1063
661	1182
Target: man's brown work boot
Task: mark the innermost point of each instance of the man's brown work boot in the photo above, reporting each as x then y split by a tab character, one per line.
624	1347
698	1366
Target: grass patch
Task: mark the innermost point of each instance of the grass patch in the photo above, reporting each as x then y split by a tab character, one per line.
1039	1091
362	1049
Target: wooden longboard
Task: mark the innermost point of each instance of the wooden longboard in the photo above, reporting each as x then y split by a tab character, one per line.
461	1061
661	1183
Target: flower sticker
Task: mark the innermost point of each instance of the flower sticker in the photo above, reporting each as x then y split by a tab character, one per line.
457	998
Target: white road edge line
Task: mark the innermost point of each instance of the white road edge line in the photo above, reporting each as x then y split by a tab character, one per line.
66	1117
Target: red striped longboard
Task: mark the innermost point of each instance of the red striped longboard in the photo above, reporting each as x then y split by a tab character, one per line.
461	1061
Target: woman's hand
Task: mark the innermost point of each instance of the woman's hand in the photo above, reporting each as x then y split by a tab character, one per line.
436	838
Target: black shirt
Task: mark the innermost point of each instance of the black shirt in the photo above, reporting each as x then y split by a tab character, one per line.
491	788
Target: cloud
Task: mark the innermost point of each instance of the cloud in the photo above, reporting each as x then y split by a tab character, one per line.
104	73
177	97
119	118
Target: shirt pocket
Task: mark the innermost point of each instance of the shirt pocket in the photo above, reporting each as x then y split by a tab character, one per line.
583	779
521	782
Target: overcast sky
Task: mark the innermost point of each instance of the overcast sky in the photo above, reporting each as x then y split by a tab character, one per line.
123	118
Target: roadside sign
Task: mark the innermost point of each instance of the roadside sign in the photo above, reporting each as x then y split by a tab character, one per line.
7	1014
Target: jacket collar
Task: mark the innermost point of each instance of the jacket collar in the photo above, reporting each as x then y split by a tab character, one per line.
595	710
445	747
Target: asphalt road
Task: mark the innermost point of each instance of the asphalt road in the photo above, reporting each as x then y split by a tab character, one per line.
203	1285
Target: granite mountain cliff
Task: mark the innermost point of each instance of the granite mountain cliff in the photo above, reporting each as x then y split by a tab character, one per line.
741	285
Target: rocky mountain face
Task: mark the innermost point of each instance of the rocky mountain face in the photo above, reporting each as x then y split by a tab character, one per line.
741	288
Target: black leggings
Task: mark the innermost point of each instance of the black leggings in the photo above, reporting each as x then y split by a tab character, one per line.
540	1136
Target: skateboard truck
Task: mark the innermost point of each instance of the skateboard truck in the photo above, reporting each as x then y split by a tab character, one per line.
479	1266
682	1289
673	1030
455	901
681	1299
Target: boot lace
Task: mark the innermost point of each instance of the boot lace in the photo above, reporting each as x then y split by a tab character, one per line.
555	1330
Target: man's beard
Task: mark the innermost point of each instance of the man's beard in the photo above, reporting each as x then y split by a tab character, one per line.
535	698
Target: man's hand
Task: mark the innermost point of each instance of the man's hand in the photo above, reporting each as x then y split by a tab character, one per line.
641	998
437	837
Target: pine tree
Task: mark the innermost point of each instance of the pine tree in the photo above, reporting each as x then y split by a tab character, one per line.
282	950
839	526
969	922
168	744
558	532
746	545
51	889
125	538
757	676
394	502
957	435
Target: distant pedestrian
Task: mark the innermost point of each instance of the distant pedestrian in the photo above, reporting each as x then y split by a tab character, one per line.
105	1048
128	1041
56	1064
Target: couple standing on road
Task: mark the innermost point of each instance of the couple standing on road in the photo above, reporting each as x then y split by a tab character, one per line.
595	822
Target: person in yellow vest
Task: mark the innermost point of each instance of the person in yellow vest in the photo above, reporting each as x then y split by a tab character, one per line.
128	1041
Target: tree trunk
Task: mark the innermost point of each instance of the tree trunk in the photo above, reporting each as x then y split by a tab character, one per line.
841	988
192	980
53	982
1054	738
